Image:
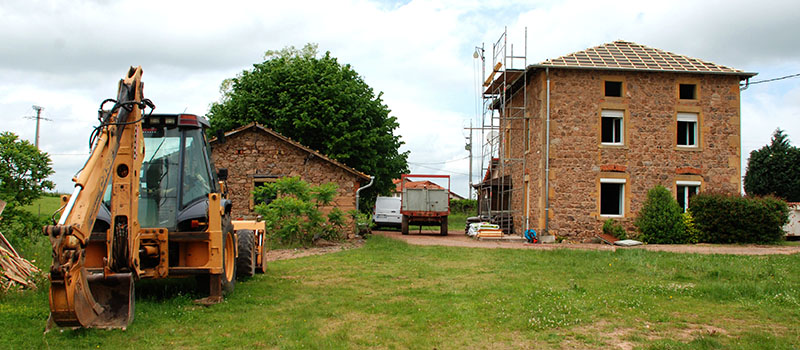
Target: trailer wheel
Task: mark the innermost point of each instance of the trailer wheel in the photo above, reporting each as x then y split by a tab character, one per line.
246	261
404	225
443	228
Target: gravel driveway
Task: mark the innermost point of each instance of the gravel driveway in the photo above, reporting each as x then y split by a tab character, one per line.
458	239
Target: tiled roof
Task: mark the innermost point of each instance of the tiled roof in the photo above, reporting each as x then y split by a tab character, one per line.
423	184
293	143
627	55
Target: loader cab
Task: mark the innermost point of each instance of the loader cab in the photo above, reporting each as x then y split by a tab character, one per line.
177	173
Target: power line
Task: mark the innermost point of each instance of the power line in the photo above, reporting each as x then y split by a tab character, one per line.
38	118
774	79
436	163
444	171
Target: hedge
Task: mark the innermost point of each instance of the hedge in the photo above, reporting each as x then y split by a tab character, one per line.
725	218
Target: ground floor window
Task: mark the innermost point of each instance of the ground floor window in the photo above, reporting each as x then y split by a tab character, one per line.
258	181
612	197
686	190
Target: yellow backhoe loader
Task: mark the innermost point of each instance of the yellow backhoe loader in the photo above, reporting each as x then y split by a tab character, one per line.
148	203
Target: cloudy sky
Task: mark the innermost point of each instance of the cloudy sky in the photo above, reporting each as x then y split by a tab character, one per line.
67	56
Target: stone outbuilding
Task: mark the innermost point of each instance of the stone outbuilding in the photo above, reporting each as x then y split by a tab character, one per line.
583	137
254	155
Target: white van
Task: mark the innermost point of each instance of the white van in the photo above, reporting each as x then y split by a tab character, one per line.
387	212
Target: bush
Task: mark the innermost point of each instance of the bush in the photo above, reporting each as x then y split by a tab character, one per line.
21	228
722	218
466	206
691	228
363	222
612	227
661	219
294	216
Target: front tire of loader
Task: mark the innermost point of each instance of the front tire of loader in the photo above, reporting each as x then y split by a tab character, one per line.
228	258
404	225
246	262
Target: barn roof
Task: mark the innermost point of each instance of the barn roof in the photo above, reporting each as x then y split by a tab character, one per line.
296	144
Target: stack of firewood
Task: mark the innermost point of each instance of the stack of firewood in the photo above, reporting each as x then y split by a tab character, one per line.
14	269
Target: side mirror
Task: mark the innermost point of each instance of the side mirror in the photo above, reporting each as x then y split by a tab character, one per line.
222	174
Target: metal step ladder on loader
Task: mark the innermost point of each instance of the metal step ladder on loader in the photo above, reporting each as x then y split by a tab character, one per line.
148	203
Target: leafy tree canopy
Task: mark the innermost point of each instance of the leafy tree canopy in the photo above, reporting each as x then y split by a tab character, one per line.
321	104
774	169
23	170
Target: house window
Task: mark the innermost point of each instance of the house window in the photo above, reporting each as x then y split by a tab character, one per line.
686	190
258	182
613	89
612	127
507	143
687	129
527	134
687	91
612	197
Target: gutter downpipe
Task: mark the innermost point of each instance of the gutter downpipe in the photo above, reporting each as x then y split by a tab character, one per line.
358	191
547	160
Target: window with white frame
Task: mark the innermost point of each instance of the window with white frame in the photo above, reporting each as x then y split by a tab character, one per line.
686	190
612	197
687	129
612	126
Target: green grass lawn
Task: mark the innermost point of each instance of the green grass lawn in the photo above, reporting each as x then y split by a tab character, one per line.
44	206
390	295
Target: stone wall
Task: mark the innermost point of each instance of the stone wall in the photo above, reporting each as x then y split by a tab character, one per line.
649	156
255	155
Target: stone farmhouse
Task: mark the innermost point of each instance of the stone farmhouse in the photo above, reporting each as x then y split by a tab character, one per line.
583	137
254	155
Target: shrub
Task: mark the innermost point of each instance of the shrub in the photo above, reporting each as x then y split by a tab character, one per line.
294	216
661	219
612	227
363	222
466	206
691	228
725	218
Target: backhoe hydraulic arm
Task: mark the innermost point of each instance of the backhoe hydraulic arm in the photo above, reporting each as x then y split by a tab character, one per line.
94	297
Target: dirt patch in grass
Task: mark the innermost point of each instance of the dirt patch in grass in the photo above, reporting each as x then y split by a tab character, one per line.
624	338
283	254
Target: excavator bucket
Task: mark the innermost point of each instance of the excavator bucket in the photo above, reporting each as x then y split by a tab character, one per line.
97	301
115	294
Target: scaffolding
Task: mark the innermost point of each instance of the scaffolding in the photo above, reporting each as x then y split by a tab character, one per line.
504	117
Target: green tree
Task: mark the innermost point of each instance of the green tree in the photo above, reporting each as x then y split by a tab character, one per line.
321	104
661	219
23	173
774	169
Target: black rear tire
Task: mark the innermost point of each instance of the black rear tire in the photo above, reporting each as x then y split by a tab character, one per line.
404	225
443	228
246	261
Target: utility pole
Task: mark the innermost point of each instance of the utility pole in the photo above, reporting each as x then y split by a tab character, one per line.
468	147
38	118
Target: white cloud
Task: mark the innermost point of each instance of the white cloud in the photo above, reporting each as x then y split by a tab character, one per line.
69	55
